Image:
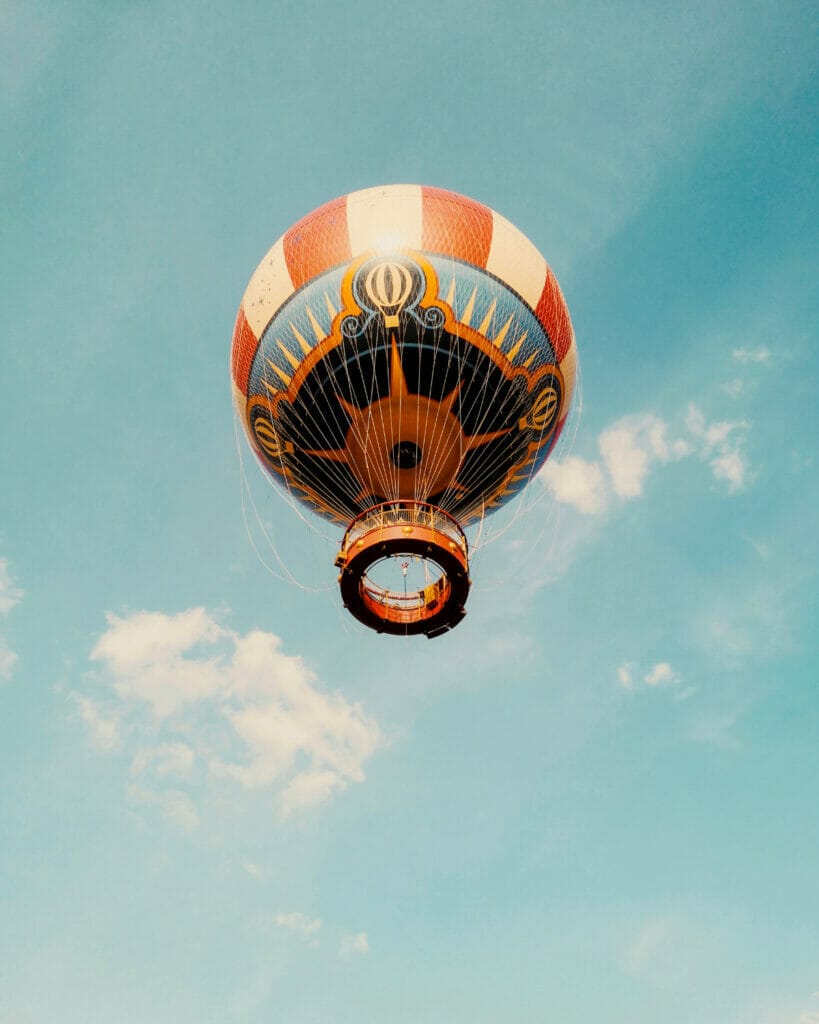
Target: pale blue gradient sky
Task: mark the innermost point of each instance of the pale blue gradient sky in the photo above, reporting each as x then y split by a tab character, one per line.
596	799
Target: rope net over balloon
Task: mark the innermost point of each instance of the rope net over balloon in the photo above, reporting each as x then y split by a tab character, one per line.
403	364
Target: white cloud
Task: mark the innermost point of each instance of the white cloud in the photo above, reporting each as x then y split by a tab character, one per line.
577	483
667	951
648	946
309	788
731	467
629	446
716	728
660	673
744	621
102	725
147	654
10	595
8	659
721	444
353	944
166	759
307	928
760	546
752	355
234	703
177	807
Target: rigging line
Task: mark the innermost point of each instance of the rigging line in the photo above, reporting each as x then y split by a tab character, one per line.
284	494
245	492
565	442
454	486
491	466
376	425
385	411
321	430
285	476
285	473
417	495
437	337
354	425
488	406
477	479
483	414
345	428
396	365
564	445
379	473
456	346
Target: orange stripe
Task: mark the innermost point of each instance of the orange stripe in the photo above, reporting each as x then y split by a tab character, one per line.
319	241
244	348
552	312
455	225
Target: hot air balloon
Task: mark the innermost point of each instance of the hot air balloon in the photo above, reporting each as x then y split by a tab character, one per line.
403	363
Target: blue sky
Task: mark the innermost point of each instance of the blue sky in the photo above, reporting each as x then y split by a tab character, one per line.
221	799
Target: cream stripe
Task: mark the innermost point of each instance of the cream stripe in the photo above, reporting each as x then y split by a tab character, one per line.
569	369
514	259
385	219
239	400
268	288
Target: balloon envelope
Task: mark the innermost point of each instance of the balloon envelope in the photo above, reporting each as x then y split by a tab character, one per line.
403	343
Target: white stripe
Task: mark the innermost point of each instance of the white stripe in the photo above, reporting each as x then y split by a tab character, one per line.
514	259
268	288
385	219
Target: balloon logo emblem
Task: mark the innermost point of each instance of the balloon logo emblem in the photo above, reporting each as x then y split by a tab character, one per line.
388	285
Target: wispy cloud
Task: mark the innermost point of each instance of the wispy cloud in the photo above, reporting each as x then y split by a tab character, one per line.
666	951
175	759
302	925
721	445
661	673
176	805
252	869
219	704
625	675
353	944
761	354
744	620
10	595
715	728
102	725
648	945
633	446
